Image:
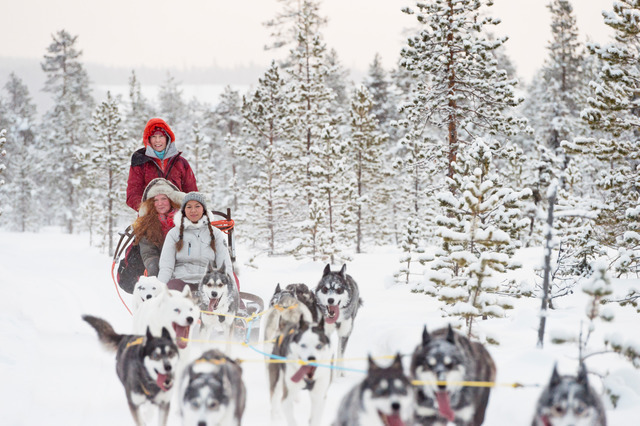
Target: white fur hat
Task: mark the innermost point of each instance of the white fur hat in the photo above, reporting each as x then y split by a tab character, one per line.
160	186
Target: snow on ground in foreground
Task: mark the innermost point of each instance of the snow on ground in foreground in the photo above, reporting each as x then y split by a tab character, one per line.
55	372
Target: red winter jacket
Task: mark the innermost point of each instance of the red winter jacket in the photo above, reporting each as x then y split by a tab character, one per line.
145	168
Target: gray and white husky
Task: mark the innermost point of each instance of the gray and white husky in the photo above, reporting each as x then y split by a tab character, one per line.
218	295
170	309
286	308
145	289
385	397
304	343
212	391
339	300
443	359
146	366
569	400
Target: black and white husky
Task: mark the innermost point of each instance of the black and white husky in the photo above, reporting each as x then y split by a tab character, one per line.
145	365
443	360
569	400
286	308
212	391
385	397
339	300
218	295
302	344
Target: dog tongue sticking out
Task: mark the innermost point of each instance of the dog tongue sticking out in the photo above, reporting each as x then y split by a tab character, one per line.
391	419
213	303
444	405
303	371
182	333
162	383
334	313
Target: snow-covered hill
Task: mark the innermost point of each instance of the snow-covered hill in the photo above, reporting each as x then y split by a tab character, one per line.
55	372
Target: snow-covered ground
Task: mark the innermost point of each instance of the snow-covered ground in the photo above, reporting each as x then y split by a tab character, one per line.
54	371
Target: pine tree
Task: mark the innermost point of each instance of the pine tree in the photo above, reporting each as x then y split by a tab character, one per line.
3	154
365	147
105	167
459	87
138	113
613	107
379	86
19	118
266	195
66	126
480	233
172	106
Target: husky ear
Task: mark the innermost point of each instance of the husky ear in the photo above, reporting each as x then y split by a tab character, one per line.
327	270
425	336
583	378
211	267
397	362
301	323
278	289
186	291
343	270
451	337
321	323
372	365
149	335
555	377
165	333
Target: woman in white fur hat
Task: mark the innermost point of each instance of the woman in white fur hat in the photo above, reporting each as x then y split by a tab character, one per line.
160	201
192	245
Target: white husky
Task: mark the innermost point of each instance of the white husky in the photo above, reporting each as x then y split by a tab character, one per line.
171	309
145	289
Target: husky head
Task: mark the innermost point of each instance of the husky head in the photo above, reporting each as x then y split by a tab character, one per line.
333	292
308	343
292	303
439	360
147	288
160	358
178	308
569	400
207	396
388	393
215	286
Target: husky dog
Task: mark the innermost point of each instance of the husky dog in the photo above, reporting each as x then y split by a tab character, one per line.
145	289
385	397
220	295
213	392
303	343
170	309
446	356
339	299
145	366
569	400
287	307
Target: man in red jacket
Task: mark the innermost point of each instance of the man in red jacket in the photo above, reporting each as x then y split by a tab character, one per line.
158	159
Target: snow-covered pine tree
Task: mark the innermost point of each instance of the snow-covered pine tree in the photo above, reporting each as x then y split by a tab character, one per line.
480	232
365	154
138	113
104	165
19	118
380	87
266	197
3	154
173	109
66	126
459	87
613	107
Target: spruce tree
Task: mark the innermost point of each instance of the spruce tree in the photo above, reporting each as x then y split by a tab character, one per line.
66	126
138	113
480	232
3	154
266	196
104	164
613	108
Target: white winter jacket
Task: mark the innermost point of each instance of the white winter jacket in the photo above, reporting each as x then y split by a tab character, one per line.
190	263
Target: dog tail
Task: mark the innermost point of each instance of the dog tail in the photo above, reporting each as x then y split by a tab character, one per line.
108	337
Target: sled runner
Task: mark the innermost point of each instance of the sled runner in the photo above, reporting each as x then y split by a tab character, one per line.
131	268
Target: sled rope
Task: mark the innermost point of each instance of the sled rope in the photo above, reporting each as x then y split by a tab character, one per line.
471	384
223	225
250	317
117	288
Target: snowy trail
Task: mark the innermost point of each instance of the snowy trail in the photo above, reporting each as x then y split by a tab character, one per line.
55	372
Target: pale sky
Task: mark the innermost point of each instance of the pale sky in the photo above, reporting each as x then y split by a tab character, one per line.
195	33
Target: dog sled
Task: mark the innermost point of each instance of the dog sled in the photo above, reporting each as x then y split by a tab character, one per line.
130	268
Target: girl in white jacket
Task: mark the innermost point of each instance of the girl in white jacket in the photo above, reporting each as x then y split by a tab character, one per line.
191	245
